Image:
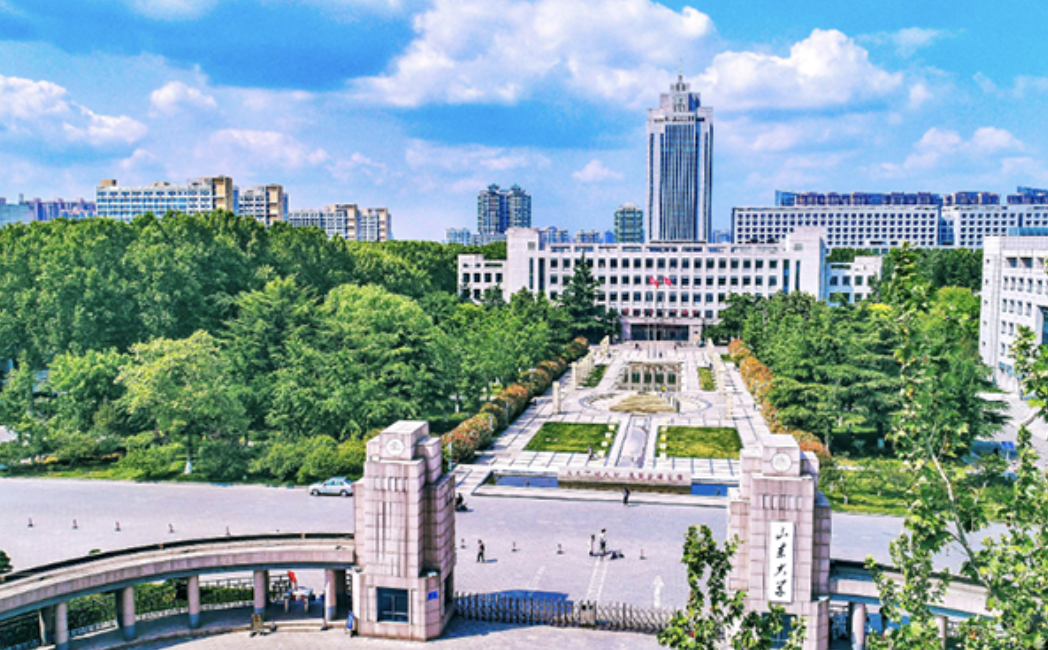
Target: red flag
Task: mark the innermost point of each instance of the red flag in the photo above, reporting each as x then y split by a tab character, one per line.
668	281
652	280
291	576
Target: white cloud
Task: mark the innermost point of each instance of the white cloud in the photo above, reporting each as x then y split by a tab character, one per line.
138	160
172	9
596	172
825	69
937	144
989	138
171	97
984	82
919	94
498	51
908	41
102	130
745	135
266	147
344	169
1026	84
470	158
25	99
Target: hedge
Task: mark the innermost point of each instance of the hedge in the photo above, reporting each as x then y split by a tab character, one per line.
462	443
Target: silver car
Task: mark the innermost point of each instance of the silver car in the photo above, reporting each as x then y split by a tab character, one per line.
337	486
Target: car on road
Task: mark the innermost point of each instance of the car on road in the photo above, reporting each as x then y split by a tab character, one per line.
337	486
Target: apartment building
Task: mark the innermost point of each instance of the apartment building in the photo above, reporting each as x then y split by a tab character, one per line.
347	221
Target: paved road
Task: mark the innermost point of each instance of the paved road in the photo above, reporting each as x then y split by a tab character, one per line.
537	527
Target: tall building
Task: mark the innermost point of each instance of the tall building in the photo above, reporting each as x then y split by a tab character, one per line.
881	221
498	210
458	236
629	224
589	237
125	202
266	203
346	221
1014	294
554	235
680	167
61	209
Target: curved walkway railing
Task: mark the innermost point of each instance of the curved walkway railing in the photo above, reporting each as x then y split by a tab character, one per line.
48	589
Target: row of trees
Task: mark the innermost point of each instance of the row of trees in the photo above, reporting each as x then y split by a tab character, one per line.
274	352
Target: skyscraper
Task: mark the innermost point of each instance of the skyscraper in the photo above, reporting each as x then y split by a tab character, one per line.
629	224
499	209
680	166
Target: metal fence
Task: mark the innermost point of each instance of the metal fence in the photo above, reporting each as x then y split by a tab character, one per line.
543	610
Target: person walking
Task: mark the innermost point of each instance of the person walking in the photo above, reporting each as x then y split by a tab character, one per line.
603	542
626	496
480	551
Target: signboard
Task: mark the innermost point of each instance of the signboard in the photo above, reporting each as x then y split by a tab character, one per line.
433	595
780	561
623	475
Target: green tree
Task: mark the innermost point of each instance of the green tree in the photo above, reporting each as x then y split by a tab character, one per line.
712	617
5	563
185	388
579	298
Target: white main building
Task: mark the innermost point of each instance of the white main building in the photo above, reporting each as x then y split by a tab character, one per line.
670	290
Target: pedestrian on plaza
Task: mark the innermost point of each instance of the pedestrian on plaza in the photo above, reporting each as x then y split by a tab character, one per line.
480	551
589	453
626	496
593	541
603	542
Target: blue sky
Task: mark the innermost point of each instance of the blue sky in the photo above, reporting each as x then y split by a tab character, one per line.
418	104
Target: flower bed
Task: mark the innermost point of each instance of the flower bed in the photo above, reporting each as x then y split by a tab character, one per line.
462	443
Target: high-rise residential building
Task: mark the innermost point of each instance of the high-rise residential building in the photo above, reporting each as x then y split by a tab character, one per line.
589	237
61	209
347	221
629	224
881	221
554	235
680	167
266	203
499	209
458	236
125	202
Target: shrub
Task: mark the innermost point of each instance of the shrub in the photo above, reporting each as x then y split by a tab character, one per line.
321	459
151	462
282	462
223	460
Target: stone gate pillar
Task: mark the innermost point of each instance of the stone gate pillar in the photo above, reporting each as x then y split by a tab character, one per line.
405	535
784	524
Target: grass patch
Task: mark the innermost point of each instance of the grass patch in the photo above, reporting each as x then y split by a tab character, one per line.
726	358
570	437
595	376
706	379
700	442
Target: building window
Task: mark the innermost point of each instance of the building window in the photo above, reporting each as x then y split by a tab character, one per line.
392	605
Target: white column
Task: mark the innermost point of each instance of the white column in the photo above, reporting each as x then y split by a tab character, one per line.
330	595
193	595
127	612
858	626
261	591
62	626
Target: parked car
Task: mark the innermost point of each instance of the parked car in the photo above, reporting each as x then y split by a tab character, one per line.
337	486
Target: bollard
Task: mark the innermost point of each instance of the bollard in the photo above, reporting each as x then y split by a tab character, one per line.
463	542
642	554
170	528
117	529
227	532
514	547
75	527
30	522
560	551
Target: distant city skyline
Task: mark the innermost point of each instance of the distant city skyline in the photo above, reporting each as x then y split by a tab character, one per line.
348	100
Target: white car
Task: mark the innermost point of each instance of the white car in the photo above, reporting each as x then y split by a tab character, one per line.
337	486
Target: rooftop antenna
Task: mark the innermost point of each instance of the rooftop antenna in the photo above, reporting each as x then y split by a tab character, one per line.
680	68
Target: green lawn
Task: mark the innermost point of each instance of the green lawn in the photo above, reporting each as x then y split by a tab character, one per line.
595	377
700	442
568	437
706	379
